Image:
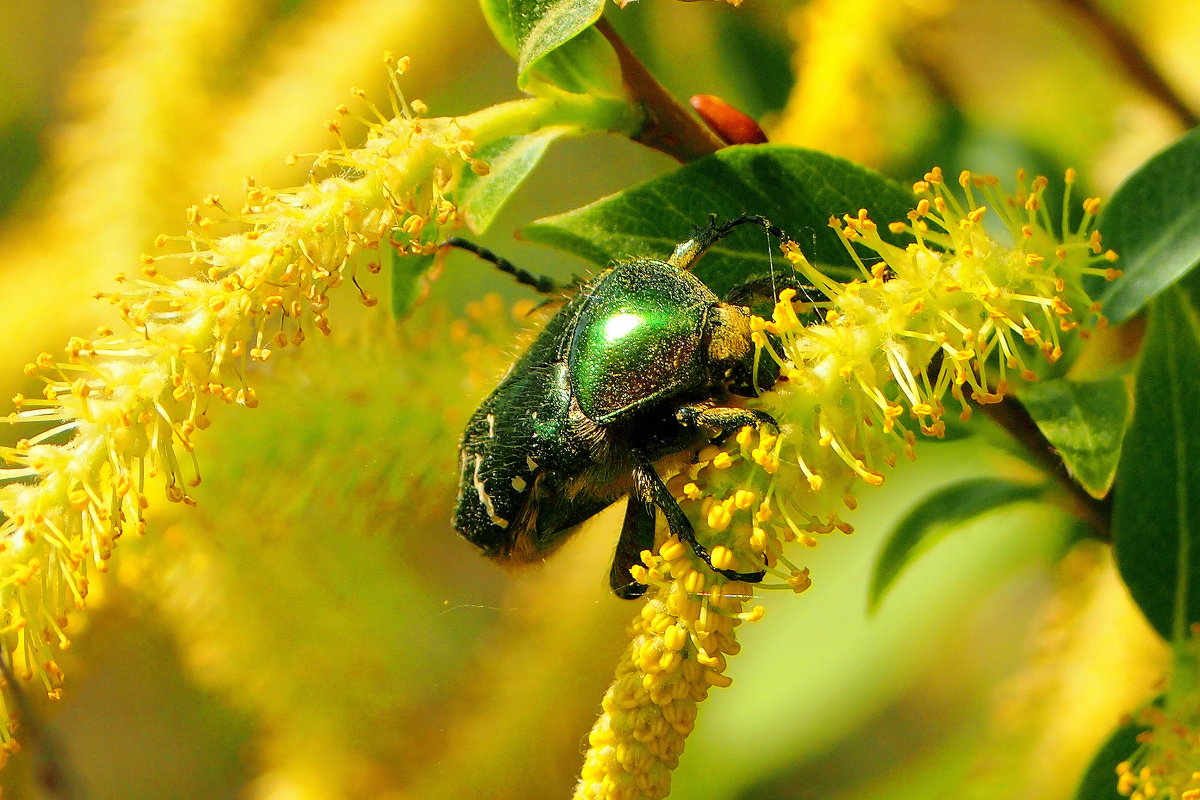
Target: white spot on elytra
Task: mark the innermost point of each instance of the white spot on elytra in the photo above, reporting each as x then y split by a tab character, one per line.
484	497
491	421
529	462
519	484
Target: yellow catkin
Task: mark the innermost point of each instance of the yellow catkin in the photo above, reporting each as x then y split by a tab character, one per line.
129	403
677	652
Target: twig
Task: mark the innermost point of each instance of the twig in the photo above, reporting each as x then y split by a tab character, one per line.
1129	53
1015	420
669	127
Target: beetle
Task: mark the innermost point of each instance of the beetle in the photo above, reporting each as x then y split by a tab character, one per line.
638	365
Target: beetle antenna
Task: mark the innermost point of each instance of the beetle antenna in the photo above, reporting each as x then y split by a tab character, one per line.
687	254
539	283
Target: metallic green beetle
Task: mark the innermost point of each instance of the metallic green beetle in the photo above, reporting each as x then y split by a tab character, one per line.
634	368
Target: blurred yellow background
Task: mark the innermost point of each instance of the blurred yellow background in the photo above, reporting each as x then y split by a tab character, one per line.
316	629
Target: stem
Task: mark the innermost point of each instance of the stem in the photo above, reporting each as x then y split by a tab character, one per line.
1015	420
586	112
1129	54
668	128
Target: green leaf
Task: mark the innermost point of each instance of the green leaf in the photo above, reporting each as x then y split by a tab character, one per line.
1086	422
1153	222
1156	512
546	25
554	42
585	65
935	517
798	190
408	281
501	19
1099	782
510	161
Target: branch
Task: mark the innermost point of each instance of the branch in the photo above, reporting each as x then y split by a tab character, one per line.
1129	54
669	127
1010	415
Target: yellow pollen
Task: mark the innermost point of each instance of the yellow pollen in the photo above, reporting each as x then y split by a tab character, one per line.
722	557
799	580
758	540
719	518
745	435
673	549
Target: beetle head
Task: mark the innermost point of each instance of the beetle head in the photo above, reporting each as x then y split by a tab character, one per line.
731	352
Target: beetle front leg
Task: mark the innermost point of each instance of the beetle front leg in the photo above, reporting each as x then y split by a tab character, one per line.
752	293
726	420
649	485
637	534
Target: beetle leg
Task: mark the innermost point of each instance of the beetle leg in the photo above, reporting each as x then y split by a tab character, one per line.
647	483
752	293
637	534
539	283
725	419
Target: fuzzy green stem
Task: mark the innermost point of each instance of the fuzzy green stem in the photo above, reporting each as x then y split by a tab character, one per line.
588	113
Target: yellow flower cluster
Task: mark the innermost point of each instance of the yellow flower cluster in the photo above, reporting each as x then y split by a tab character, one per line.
677	652
737	508
867	364
1166	764
122	409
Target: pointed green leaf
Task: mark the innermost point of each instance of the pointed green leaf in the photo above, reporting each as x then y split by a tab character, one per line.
502	19
408	281
585	65
797	189
510	160
935	517
553	41
1153	222
1086	422
1156	512
546	25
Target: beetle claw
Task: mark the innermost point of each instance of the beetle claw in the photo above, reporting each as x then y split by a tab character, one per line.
637	534
649	486
748	577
